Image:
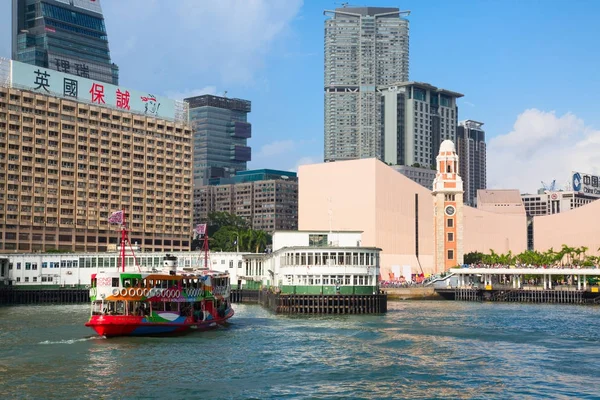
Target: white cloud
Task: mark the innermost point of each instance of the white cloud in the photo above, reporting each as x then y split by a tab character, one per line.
542	147
234	36
306	160
193	43
191	93
275	148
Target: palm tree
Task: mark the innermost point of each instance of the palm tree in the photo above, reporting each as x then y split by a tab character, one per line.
260	241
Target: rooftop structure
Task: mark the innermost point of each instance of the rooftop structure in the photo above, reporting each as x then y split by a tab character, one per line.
504	201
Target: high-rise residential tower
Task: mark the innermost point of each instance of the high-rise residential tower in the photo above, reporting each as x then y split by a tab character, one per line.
470	140
365	47
65	35
416	118
221	131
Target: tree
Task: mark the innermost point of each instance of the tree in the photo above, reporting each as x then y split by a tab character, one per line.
474	257
219	219
260	241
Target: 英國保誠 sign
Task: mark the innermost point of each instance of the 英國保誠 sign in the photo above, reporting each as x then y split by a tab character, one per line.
74	87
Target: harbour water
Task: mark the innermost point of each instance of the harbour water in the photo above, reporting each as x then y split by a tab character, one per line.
420	349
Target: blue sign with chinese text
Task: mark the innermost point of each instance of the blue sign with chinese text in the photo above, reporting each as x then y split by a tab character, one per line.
60	84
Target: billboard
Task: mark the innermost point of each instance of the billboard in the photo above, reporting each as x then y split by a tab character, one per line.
587	184
79	88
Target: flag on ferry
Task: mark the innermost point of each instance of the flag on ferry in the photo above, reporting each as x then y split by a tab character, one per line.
116	218
200	229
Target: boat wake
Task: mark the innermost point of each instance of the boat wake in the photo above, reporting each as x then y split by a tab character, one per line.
72	341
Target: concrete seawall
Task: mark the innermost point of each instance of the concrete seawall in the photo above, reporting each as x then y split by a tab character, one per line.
412	293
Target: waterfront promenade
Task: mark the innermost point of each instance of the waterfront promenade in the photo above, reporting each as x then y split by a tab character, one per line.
570	285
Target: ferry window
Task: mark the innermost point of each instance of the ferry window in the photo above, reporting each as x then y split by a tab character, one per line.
35	278
18	279
348	259
115	282
239	264
326	280
302	258
26	279
310	258
297	258
450	254
44	265
354	258
450	223
230	263
27	266
222	261
10	265
34	266
451	236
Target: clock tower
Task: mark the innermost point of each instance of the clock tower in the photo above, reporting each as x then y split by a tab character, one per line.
447	210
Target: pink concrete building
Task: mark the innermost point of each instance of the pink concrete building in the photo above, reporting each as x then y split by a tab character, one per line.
577	227
395	214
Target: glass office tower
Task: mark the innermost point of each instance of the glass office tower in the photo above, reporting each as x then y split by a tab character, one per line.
221	131
65	35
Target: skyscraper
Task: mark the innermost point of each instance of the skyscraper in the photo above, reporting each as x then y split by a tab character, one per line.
470	140
221	131
65	35
416	117
365	47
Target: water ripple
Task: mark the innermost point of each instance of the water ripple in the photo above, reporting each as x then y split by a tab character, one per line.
417	350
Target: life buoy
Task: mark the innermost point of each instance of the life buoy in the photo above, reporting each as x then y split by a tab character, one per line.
139	291
146	292
131	291
177	294
170	293
123	292
115	292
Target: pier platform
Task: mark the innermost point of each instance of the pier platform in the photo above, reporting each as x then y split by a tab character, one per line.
323	304
530	285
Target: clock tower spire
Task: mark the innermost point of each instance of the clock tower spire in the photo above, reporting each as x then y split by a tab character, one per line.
448	210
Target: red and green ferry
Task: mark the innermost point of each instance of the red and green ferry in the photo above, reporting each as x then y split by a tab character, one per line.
164	302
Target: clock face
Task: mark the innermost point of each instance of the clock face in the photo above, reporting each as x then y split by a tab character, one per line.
450	210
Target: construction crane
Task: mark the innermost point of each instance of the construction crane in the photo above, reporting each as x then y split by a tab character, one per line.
549	187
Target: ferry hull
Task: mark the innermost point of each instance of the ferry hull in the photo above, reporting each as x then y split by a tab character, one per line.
113	326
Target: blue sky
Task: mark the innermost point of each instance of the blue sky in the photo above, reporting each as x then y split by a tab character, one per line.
528	70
